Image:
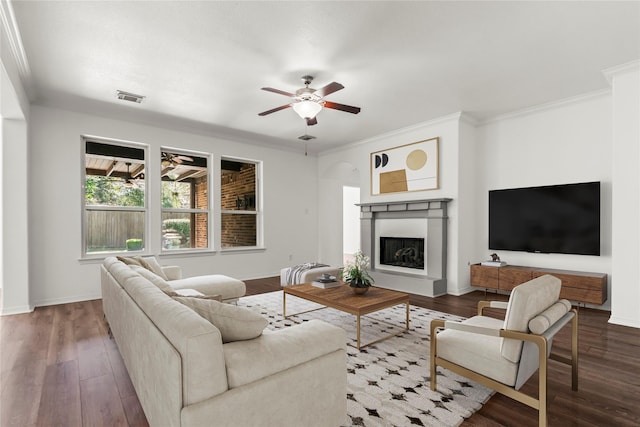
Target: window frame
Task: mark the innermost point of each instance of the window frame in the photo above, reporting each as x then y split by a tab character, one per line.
208	211
259	209
84	139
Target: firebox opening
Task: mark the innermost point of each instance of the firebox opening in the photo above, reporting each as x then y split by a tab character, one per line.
407	252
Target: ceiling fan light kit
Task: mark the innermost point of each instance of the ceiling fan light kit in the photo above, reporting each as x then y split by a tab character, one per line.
307	109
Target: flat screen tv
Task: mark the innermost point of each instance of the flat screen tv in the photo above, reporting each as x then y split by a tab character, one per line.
561	219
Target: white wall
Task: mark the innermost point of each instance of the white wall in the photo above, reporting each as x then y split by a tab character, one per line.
567	142
290	204
14	113
350	219
625	298
357	155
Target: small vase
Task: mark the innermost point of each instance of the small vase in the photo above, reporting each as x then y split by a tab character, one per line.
359	291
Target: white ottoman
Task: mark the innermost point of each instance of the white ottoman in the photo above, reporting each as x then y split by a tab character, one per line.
307	276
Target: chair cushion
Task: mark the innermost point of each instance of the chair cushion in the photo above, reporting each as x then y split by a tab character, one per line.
551	315
526	302
234	323
477	352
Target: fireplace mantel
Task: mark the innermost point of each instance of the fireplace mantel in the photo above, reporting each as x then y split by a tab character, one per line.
434	212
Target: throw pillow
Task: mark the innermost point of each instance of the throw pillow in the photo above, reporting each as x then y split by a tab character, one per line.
155	279
128	260
151	264
551	315
195	294
234	323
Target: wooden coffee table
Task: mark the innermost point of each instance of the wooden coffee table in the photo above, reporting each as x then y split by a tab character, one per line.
342	298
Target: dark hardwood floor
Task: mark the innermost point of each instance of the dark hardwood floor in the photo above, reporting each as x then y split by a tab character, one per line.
58	367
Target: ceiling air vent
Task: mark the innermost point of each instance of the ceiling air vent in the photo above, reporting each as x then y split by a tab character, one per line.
128	96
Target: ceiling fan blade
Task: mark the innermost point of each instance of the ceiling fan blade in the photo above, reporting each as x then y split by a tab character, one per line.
282	107
342	107
328	89
278	91
312	121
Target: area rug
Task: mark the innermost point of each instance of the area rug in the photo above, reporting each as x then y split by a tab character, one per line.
388	382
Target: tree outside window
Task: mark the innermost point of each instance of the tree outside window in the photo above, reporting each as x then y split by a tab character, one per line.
114	197
185	201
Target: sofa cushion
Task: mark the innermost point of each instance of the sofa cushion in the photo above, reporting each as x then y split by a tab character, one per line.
153	278
235	323
151	264
214	284
129	260
281	350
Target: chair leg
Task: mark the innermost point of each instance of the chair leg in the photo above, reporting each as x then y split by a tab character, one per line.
433	348
542	386
574	352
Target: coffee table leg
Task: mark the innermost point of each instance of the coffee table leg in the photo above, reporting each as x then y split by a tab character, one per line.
284	305
358	330
407	305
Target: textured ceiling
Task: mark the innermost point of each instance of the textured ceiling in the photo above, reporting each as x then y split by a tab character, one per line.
201	64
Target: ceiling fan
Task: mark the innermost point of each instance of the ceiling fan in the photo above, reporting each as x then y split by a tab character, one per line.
128	180
308	102
170	159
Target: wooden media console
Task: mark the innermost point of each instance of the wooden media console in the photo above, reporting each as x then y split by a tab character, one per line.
577	286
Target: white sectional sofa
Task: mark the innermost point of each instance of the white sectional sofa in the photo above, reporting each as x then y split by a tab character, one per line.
184	375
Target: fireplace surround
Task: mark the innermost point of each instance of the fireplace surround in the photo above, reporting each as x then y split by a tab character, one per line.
428	219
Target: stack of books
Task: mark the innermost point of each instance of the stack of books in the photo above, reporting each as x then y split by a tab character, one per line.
493	263
325	282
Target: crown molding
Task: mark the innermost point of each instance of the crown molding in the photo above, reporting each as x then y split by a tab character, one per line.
449	117
629	67
548	106
8	19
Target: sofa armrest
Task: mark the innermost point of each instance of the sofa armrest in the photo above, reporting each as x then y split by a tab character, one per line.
173	272
276	351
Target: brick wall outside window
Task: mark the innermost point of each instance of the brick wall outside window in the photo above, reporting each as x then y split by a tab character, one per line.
201	232
238	193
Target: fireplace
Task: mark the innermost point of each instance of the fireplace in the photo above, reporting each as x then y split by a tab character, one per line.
406	252
414	258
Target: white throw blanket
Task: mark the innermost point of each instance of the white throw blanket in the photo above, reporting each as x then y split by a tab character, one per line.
294	274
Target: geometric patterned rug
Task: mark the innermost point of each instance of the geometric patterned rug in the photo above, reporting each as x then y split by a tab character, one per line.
388	382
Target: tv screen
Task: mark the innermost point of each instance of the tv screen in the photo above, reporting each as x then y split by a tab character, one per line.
551	219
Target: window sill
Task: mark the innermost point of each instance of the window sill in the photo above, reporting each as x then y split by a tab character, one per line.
243	249
186	253
98	258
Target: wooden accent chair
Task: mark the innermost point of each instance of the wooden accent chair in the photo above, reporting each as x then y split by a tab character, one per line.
503	355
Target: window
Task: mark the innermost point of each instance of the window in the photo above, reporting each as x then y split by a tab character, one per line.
115	213
240	215
185	201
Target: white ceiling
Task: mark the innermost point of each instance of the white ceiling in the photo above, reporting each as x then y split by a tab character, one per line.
201	64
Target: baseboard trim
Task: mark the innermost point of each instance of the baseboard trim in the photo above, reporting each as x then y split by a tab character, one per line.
19	309
67	300
624	322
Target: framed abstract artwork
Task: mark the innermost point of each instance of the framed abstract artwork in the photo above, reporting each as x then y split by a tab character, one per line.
410	167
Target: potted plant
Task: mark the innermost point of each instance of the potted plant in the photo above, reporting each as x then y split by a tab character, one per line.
356	275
